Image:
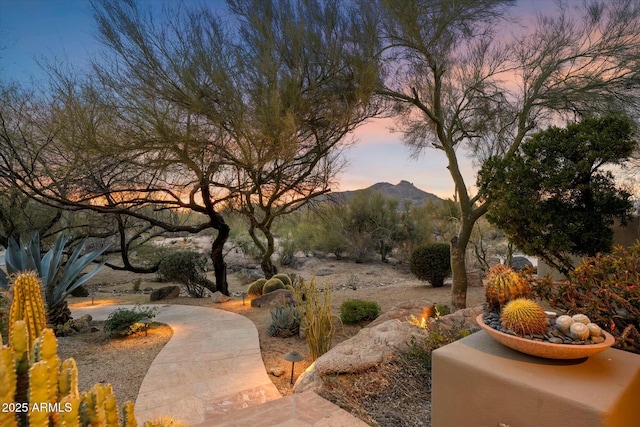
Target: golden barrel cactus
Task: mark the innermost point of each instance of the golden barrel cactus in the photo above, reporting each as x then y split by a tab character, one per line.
504	285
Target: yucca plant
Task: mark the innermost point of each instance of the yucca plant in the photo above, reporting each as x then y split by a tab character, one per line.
59	278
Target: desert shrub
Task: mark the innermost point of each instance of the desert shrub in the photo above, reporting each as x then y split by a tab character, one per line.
124	321
607	289
286	251
316	317
355	310
285	322
188	268
431	262
271	285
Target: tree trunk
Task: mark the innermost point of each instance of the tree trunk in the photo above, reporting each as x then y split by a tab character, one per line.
458	262
217	257
266	264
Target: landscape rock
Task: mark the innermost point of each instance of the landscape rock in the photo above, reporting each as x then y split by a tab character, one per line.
465	317
278	371
369	348
377	344
252	274
404	311
219	297
474	277
276	298
324	272
165	292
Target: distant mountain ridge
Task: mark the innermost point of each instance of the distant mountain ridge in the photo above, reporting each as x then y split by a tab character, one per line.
404	192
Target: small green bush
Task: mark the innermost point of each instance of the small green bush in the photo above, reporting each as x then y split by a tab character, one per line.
188	268
355	310
271	285
124	321
431	262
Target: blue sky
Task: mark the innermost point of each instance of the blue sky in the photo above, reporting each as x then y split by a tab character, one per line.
62	31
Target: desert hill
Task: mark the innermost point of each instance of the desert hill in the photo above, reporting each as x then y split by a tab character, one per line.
404	192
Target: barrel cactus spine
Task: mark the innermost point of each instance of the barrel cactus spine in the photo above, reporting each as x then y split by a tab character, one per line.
524	317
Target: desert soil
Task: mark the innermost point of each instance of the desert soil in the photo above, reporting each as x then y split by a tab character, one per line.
124	362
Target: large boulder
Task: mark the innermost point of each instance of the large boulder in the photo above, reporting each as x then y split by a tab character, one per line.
369	348
279	297
218	297
166	292
375	345
404	311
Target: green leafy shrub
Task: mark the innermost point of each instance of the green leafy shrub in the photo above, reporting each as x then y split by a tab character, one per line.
607	289
355	310
125	321
431	262
188	268
271	285
285	322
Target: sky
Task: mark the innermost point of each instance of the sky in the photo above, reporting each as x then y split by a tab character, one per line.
34	32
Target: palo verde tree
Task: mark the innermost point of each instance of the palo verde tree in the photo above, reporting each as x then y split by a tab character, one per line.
554	198
465	78
300	88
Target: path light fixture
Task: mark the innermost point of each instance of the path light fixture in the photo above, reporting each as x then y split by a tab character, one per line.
293	357
145	322
244	295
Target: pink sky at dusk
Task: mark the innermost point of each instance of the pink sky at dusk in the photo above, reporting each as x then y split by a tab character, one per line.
63	30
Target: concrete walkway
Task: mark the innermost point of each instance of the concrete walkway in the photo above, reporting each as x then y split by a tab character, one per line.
211	373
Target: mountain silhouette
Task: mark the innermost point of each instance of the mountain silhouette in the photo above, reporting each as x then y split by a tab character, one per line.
404	192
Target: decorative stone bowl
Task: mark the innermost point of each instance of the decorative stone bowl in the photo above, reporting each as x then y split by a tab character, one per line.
546	349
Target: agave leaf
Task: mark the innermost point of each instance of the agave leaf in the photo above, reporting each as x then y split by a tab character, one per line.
33	253
15	258
4	280
54	258
71	276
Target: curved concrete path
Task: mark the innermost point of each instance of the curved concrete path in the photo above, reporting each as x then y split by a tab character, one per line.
211	373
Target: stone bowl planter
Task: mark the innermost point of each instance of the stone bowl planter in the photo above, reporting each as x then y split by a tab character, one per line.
546	349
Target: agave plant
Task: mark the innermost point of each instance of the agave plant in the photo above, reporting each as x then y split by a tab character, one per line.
59	278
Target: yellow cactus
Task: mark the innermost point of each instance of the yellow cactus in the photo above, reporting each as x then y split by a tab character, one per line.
39	394
111	410
68	379
19	342
70	413
27	304
7	385
128	415
45	348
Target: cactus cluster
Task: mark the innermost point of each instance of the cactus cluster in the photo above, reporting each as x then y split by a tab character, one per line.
264	286
524	317
37	389
504	285
285	322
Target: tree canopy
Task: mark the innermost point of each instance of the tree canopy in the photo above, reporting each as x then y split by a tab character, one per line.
555	196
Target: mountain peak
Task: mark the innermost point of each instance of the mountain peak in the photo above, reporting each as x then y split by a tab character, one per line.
404	192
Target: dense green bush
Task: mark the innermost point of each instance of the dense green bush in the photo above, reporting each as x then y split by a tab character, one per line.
188	268
355	310
124	321
431	262
607	289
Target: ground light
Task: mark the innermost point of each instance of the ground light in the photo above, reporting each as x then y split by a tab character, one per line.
293	357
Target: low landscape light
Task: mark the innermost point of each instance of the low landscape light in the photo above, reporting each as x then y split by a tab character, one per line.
293	357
